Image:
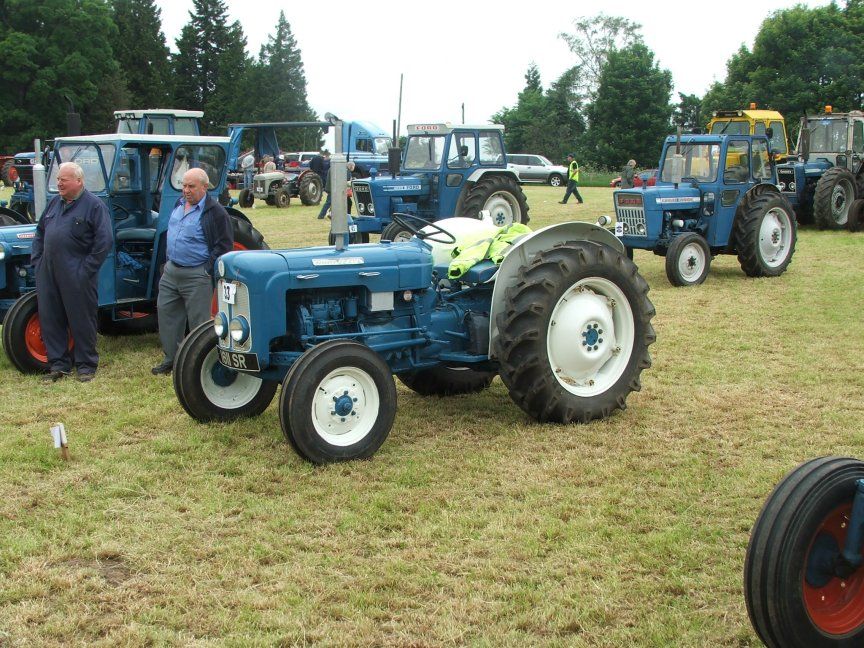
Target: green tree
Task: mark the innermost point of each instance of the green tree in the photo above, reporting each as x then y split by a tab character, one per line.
631	114
593	40
688	112
54	49
281	88
140	50
212	66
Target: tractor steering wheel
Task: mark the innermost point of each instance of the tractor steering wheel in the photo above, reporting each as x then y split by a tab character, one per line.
401	219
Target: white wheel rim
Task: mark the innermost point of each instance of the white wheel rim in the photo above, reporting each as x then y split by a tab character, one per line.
312	191
237	393
590	337
840	201
345	406
775	237
691	262
402	236
501	207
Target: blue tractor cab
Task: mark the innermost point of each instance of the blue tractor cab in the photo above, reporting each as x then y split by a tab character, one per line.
716	194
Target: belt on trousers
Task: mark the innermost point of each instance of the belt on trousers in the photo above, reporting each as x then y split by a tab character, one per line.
177	265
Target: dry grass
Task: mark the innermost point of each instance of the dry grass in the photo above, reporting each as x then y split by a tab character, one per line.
473	525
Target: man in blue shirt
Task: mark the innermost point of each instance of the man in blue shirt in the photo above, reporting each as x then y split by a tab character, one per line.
72	240
199	232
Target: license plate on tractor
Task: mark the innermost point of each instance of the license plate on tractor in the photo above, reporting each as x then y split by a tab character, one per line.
241	361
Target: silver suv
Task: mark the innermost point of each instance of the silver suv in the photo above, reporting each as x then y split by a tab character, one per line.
536	168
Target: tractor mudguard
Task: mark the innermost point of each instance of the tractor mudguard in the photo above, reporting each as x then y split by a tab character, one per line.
524	250
238	214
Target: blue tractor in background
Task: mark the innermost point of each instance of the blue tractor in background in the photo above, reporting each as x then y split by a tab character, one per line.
446	171
565	320
716	194
828	174
139	178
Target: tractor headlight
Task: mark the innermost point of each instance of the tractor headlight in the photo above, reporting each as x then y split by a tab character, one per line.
361	208
370	209
2	253
220	267
640	229
220	325
239	328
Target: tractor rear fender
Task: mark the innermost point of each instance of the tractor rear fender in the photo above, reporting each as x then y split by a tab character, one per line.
475	177
524	250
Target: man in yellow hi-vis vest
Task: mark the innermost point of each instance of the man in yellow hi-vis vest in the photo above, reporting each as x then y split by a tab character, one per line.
572	180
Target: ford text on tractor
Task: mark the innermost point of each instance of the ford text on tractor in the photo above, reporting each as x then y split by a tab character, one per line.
139	177
804	570
333	324
717	194
827	176
446	171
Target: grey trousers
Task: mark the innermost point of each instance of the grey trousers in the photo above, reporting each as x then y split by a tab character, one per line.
185	294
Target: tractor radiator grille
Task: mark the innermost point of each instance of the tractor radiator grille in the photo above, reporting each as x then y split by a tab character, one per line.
632	219
239	307
363	198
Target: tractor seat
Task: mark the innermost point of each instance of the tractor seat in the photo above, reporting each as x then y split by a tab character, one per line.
136	234
480	272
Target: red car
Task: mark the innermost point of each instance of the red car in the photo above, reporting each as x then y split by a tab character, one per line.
647	177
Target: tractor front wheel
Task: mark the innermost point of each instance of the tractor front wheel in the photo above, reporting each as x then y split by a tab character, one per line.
396	233
835	191
22	336
446	381
246	199
855	218
688	260
210	391
765	233
338	402
281	198
573	333
501	196
798	591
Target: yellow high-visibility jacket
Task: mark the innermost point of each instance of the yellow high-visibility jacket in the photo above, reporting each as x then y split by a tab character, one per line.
493	248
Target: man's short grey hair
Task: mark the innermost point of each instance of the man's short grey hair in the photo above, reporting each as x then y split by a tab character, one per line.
200	174
76	170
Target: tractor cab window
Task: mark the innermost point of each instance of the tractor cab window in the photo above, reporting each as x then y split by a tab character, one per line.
95	160
424	151
462	151
737	168
700	162
209	158
127	174
128	126
759	161
730	128
185	126
491	148
157	126
858	137
827	135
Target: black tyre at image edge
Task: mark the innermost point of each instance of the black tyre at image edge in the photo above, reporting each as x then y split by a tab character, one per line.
777	558
526	320
198	349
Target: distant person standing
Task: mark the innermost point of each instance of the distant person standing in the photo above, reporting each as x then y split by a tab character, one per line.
572	180
269	164
248	167
320	164
72	239
628	175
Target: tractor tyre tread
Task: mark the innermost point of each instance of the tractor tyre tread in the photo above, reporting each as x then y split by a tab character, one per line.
745	234
477	196
822	197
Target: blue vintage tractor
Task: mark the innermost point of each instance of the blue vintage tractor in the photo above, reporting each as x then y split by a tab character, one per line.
717	194
804	570
139	178
446	171
565	321
828	175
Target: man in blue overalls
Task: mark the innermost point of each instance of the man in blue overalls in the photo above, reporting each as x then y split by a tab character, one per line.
72	239
199	232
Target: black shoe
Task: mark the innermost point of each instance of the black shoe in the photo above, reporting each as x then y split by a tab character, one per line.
562	202
86	377
54	376
162	368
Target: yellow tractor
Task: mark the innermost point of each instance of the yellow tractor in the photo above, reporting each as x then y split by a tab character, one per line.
752	122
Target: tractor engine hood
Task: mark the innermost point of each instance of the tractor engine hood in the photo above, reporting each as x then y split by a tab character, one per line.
405	185
379	267
16	240
668	198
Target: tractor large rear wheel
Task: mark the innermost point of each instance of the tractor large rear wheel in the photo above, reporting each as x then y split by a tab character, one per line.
765	233
797	593
573	333
446	381
246	237
501	196
310	188
835	192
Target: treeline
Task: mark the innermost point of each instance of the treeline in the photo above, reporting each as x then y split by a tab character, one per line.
615	103
105	55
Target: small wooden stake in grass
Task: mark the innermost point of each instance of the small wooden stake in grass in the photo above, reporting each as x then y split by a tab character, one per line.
58	431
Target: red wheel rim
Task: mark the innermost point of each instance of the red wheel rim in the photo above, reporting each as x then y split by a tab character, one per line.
838	607
33	339
132	314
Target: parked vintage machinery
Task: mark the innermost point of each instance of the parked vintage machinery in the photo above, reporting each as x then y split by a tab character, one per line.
447	170
139	178
752	121
717	194
827	176
804	570
333	324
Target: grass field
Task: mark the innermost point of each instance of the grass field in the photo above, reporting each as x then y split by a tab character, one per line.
473	525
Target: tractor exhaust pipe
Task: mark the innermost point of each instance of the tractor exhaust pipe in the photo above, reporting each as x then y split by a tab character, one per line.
40	184
394	160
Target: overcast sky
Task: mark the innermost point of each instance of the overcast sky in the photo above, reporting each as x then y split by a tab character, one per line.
474	53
